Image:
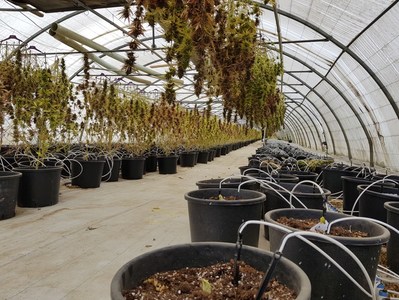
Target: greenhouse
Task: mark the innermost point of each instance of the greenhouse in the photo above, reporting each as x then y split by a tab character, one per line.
199	149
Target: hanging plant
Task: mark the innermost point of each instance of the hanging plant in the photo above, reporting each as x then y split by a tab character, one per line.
219	37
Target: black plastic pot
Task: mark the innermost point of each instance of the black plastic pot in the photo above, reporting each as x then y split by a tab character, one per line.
332	178
211	155
309	195
187	159
328	282
167	164
371	203
111	170
9	185
278	178
351	193
38	187
218	151
87	173
133	167
151	163
393	244
228	183
181	256
302	175
219	220
224	150
203	157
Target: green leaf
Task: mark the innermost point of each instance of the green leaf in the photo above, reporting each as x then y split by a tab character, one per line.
206	286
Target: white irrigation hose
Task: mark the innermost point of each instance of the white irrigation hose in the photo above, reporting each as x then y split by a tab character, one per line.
110	163
267	184
300	234
306	181
390	273
4	163
252	179
259	171
367	187
81	168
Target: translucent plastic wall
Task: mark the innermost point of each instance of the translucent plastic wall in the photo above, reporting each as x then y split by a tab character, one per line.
341	59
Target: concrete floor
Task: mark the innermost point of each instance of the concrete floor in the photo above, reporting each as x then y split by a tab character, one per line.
73	249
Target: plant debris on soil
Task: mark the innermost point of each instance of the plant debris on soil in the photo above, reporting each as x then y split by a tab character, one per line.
306	224
214	282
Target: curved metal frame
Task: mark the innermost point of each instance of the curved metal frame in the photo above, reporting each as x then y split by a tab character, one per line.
316	117
311	120
306	126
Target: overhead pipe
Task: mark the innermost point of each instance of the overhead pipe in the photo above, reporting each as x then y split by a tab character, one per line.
80	48
85	41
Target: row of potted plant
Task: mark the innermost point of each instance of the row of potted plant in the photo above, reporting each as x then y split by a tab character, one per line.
46	121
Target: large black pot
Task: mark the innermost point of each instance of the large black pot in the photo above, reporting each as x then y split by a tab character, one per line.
277	178
203	157
167	164
332	178
87	173
371	203
302	175
351	193
38	187
328	282
181	256
228	183
151	163
9	185
111	170
133	167
187	159
218	151
309	195
393	244
219	220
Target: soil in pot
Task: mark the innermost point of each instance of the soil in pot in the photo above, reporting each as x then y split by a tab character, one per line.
199	255
307	224
209	282
309	195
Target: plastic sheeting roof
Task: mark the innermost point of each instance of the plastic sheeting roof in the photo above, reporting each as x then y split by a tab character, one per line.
340	60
